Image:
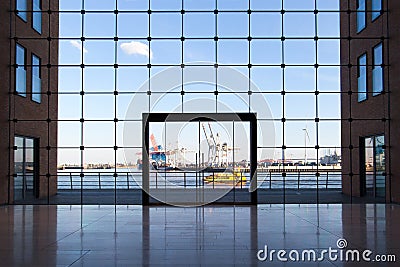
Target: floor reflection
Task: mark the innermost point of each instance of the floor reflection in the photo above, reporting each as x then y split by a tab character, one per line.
210	235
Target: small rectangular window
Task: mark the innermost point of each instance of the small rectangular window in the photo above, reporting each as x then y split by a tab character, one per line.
361	15
37	15
377	71
362	77
22	7
20	70
376	9
36	79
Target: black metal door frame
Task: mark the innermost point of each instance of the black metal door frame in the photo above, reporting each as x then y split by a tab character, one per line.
147	118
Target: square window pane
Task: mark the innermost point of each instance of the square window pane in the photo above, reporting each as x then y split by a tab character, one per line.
133	25
269	135
329	133
300	79
328	24
274	81
266	5
233	25
266	24
166	5
293	20
274	103
191	77
165	78
328	4
329	79
299	5
329	52
196	102
95	48
329	106
130	134
99	79
71	5
132	79
199	51
300	106
200	5
97	156
230	102
71	135
192	22
67	156
233	5
69	107
131	157
134	52
99	107
99	25
70	79
99	134
99	5
133	5
266	52
307	131
170	101
166	25
138	104
70	52
300	52
226	82
168	52
233	52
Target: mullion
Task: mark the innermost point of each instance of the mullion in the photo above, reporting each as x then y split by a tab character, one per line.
316	96
283	98
82	103
115	175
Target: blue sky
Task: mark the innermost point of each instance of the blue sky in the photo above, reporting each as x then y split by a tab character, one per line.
135	52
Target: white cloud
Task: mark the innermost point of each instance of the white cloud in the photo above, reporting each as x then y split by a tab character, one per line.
137	48
78	45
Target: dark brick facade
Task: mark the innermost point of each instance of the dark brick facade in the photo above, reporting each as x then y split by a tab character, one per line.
20	115
378	114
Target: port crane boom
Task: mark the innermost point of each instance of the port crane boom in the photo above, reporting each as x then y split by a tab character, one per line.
211	144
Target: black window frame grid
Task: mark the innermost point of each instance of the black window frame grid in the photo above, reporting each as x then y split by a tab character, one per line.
148	40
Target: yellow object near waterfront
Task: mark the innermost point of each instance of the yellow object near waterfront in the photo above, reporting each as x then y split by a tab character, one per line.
227	177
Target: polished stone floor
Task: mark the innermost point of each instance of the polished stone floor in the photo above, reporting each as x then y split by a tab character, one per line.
206	236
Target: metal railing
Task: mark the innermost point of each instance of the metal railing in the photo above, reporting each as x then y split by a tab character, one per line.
190	179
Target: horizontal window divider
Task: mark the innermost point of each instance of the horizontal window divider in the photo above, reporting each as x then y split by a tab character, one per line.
111	65
211	38
299	147
146	11
312	92
91	147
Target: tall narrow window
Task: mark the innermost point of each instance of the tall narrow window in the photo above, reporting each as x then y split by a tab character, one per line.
22	7
361	15
25	167
376	8
37	15
377	71
36	79
362	77
20	71
380	166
